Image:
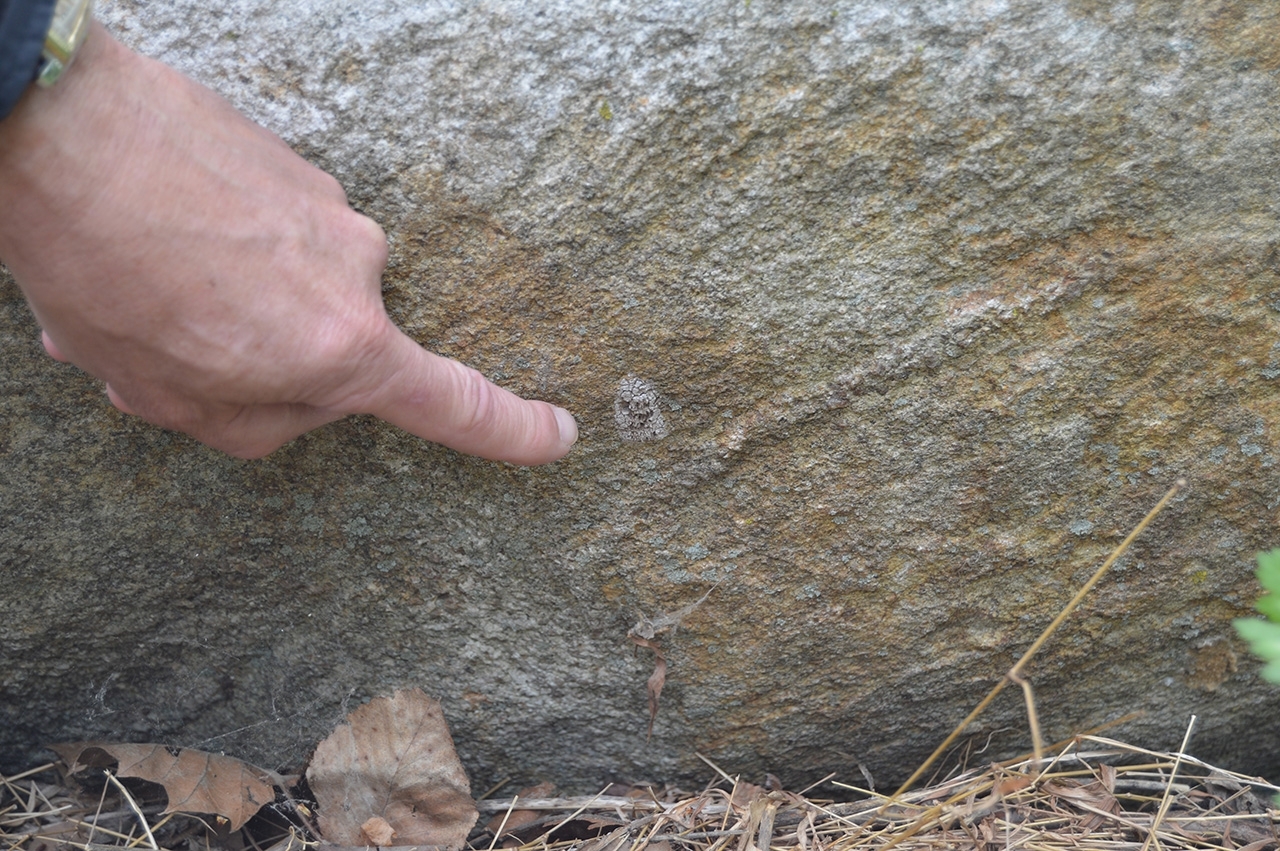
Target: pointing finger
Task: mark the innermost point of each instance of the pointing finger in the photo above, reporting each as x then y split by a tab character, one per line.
52	348
114	398
443	401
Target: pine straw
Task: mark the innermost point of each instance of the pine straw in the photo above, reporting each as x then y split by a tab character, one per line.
1097	793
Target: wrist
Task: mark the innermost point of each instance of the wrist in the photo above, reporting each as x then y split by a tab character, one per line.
92	48
45	111
54	143
72	21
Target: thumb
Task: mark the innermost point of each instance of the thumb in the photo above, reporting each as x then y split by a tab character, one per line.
443	401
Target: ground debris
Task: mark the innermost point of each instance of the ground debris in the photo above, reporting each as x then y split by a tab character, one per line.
194	781
389	776
646	633
1095	793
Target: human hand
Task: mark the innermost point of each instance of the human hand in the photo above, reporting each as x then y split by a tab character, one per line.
218	283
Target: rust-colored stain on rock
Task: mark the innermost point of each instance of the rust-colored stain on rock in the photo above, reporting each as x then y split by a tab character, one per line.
932	306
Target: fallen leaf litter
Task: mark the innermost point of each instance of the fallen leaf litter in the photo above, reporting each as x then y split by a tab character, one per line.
390	776
1094	793
194	781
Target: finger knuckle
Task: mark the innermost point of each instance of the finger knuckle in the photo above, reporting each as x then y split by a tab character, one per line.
175	420
152	407
214	428
353	341
477	404
370	239
232	440
331	186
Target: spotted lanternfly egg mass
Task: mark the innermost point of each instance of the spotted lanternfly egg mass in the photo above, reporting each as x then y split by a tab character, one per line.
636	411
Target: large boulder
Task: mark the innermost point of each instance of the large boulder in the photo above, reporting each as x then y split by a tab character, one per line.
883	321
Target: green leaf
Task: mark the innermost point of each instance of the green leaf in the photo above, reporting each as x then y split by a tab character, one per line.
1269	570
1257	630
1269	605
1263	636
1271	672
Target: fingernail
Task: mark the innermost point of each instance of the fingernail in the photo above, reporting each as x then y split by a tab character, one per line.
568	426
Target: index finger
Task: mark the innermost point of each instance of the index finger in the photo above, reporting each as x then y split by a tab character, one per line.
441	400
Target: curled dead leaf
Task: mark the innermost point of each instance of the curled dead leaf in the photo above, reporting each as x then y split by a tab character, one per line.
645	634
612	841
392	760
744	794
656	680
195	781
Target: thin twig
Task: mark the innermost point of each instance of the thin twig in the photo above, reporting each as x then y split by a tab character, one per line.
573	815
717	769
497	805
133	805
30	771
497	833
494	788
1168	796
1033	719
1016	670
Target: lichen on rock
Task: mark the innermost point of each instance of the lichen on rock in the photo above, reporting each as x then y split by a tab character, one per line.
637	411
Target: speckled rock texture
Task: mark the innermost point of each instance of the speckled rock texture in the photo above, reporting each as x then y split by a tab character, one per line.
917	306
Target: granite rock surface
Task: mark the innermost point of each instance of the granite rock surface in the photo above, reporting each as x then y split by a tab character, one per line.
883	320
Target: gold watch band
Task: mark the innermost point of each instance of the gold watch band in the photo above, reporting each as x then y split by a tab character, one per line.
70	27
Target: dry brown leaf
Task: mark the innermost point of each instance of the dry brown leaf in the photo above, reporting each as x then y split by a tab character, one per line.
744	794
377	831
393	759
508	822
645	634
1093	794
1107	774
195	781
656	680
613	841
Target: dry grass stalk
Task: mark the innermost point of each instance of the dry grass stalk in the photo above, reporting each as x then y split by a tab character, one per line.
133	805
1093	793
1096	793
1015	674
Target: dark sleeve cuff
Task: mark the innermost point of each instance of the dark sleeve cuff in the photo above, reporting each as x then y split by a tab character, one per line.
23	25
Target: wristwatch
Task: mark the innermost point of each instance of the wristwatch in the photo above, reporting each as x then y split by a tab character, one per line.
70	27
